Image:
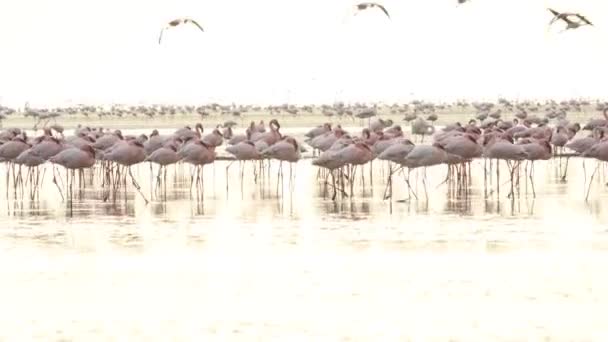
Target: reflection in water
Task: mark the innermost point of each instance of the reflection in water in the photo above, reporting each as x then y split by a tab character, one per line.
253	265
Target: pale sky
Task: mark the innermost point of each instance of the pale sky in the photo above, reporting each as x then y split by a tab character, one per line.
296	51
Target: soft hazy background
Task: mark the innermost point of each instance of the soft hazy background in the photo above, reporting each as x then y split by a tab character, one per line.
264	51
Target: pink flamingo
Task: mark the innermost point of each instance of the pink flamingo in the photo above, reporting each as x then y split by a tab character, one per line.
127	154
271	137
536	150
106	141
237	138
187	132
166	155
73	159
198	154
287	150
502	149
243	151
215	139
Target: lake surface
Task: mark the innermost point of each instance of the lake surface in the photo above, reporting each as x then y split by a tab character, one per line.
261	262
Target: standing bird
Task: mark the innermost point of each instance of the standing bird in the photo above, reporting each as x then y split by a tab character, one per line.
574	20
367	5
178	22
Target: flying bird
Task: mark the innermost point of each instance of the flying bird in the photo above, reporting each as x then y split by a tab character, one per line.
178	22
462	1
366	5
573	20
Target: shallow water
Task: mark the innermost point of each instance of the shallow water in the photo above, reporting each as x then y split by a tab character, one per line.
257	263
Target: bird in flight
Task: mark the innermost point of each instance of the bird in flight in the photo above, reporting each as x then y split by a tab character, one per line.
462	1
177	22
573	20
366	5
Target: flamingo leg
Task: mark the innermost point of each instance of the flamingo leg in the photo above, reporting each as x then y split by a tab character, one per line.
565	169
591	181
409	186
532	179
389	184
137	187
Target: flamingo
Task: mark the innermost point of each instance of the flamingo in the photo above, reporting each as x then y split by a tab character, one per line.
177	22
367	5
287	150
197	153
127	154
166	155
319	130
215	138
536	150
238	138
271	137
73	159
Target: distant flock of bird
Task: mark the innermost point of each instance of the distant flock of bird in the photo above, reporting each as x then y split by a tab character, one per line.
524	138
412	110
572	20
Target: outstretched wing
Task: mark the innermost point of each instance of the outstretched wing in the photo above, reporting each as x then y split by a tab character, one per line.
366	5
195	23
585	20
556	15
161	35
383	10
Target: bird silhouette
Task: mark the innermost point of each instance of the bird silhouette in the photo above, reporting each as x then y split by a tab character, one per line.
573	20
367	5
177	22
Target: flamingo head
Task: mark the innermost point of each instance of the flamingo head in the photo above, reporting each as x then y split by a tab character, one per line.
204	144
473	130
136	143
508	138
366	133
471	137
439	146
488	138
547	145
275	123
407	142
88	149
363	146
292	141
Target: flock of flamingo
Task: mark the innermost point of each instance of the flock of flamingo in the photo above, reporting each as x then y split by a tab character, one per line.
337	153
571	19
